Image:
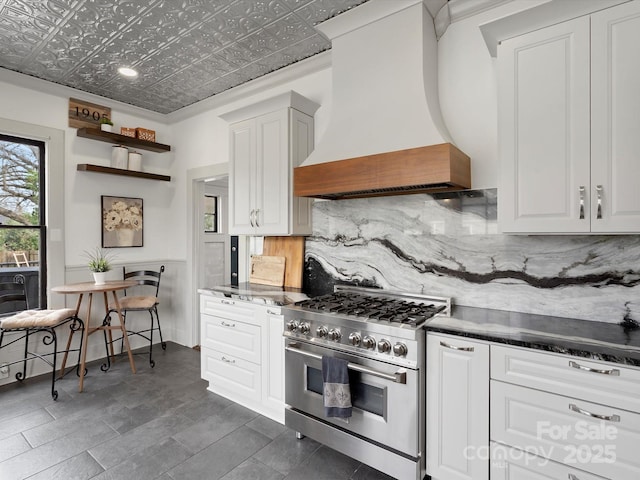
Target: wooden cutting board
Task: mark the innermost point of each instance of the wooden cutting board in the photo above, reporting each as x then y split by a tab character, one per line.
267	270
292	249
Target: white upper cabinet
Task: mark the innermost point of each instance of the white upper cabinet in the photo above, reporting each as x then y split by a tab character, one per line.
275	136
615	118
569	148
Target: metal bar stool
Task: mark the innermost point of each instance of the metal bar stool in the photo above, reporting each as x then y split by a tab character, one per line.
30	322
148	280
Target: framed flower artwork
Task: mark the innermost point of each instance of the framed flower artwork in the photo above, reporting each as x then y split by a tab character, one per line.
121	222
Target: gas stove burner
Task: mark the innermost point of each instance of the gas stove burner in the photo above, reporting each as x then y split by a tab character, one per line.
380	306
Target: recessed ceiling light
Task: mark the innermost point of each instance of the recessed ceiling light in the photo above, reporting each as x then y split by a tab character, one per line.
127	72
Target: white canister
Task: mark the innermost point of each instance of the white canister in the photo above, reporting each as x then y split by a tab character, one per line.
119	157
135	161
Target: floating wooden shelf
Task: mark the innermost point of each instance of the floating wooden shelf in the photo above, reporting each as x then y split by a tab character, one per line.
116	138
86	167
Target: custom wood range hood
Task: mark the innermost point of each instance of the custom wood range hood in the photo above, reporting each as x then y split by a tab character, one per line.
386	134
435	168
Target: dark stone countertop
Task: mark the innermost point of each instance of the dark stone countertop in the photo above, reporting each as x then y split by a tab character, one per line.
256	293
610	342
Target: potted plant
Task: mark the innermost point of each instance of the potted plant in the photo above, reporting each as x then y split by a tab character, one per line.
99	264
106	125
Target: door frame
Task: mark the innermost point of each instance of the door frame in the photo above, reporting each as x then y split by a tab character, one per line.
195	188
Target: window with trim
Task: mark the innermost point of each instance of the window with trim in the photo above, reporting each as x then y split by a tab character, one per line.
22	219
210	214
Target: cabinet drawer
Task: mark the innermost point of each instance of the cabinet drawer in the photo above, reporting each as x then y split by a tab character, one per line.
230	375
512	464
599	382
236	338
561	428
224	307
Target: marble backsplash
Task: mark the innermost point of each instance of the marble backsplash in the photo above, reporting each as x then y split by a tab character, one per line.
449	245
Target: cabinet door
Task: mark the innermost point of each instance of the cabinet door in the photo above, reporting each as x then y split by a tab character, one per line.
615	107
232	377
239	339
457	408
597	438
272	174
242	187
513	464
273	365
544	126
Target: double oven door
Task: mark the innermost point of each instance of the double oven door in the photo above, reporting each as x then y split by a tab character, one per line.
385	398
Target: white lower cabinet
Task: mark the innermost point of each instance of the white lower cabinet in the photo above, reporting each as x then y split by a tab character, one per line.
273	380
515	413
512	464
457	408
580	414
242	353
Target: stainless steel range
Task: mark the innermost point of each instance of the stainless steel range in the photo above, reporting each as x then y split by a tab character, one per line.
380	335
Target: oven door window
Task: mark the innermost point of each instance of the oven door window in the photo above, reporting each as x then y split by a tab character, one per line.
363	396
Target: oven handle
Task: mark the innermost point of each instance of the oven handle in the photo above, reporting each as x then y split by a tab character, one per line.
399	377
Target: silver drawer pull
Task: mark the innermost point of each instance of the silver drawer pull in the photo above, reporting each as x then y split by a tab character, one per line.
453	347
227	360
582	202
272	312
610	418
614	372
599	196
227	302
225	324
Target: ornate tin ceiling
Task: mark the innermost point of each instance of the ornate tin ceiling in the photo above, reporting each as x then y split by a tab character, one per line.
185	50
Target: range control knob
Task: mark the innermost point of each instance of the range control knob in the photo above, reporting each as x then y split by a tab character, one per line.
322	331
304	328
354	339
399	349
335	335
292	325
384	346
369	342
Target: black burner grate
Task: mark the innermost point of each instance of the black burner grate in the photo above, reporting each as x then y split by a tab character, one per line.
375	307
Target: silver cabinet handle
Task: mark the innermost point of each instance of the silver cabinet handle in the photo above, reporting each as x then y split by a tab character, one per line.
582	189
453	347
272	312
398	377
610	418
252	217
614	372
599	196
225	324
257	217
228	360
228	302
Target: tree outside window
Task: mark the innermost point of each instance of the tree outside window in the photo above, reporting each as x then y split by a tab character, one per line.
22	227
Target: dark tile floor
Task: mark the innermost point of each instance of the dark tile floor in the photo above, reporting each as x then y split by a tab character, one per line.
161	423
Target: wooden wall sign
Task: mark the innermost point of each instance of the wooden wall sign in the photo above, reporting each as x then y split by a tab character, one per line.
85	114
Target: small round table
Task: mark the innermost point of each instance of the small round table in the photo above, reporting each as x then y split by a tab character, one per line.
90	288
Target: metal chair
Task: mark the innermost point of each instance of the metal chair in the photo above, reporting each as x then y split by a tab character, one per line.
26	323
149	283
